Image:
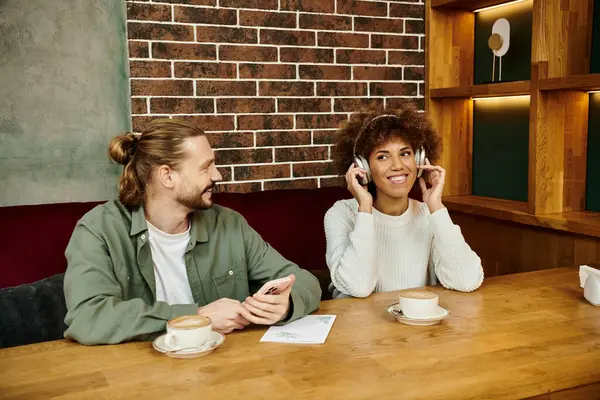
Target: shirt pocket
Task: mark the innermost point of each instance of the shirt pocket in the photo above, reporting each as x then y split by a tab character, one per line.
232	282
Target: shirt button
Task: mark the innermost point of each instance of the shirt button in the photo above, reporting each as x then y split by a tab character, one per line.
143	237
230	272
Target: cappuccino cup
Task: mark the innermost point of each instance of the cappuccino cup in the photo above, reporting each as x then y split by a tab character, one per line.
188	331
418	303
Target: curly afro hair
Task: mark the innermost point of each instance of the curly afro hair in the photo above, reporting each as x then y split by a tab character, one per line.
411	126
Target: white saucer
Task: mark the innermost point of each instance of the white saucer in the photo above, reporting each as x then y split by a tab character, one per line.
216	338
440	314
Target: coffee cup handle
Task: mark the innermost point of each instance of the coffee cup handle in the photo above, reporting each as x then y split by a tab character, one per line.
171	341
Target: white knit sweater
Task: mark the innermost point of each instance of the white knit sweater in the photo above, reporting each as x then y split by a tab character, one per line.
376	252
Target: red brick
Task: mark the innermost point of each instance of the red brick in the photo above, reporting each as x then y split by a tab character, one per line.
139	106
395	42
407	10
341	89
192	2
414	26
263	122
205	70
287	37
283	138
171	105
301	153
262	172
139	49
148	12
407	57
292	184
326	72
339	39
211	122
225	88
245	106
366	24
184	51
378	73
265	18
355	7
323	137
205	15
360	56
138	124
286	89
393	89
414	73
226	173
304	105
230	139
144	30
222	34
313	169
298	54
357	104
237	188
326	22
392	102
243	156
261	4
304	121
333	182
247	53
161	87
268	71
149	69
316	6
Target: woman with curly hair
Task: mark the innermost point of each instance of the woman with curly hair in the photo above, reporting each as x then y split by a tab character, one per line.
381	240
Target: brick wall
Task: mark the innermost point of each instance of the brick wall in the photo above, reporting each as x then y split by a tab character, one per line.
272	79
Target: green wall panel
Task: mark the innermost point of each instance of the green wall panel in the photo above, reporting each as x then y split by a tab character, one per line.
500	148
516	63
593	155
65	93
596	39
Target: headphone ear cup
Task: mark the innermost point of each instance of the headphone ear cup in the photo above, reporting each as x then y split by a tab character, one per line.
420	160
361	162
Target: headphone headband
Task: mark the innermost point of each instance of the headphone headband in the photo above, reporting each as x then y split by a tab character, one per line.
366	124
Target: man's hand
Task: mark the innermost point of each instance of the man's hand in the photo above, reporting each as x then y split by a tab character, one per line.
225	314
268	309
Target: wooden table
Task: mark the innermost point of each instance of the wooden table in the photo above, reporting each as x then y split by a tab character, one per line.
518	336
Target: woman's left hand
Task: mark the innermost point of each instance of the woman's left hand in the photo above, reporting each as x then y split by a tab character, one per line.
433	196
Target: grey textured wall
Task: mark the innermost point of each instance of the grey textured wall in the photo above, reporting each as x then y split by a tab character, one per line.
64	93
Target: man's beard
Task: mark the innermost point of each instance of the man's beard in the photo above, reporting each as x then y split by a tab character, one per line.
195	200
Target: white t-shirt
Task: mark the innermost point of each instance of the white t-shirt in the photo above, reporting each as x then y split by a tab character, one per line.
172	285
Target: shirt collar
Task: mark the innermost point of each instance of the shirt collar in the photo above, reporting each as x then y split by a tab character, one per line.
198	229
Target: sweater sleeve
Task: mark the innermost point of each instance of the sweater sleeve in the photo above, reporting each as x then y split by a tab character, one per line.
456	265
351	255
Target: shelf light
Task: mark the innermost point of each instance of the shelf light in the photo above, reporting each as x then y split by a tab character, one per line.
501	97
498	5
594	91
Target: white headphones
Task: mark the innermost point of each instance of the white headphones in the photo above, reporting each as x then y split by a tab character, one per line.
362	162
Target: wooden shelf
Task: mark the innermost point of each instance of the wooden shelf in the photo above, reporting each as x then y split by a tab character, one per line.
581	222
488	90
575	82
470	5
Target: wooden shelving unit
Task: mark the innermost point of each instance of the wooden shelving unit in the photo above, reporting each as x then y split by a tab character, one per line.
488	90
560	79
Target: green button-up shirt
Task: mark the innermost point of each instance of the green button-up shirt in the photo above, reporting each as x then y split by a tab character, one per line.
110	289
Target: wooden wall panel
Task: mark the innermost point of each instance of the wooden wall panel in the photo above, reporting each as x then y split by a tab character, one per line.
453	120
508	247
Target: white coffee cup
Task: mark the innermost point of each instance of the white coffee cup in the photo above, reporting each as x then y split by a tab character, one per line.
188	331
418	303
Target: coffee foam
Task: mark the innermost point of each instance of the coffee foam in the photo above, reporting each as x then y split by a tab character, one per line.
189	322
418	294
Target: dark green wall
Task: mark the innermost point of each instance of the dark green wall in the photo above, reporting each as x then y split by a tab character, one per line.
65	92
596	39
500	148
593	155
516	63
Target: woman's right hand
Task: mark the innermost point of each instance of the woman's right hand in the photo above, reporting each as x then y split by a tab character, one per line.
360	192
